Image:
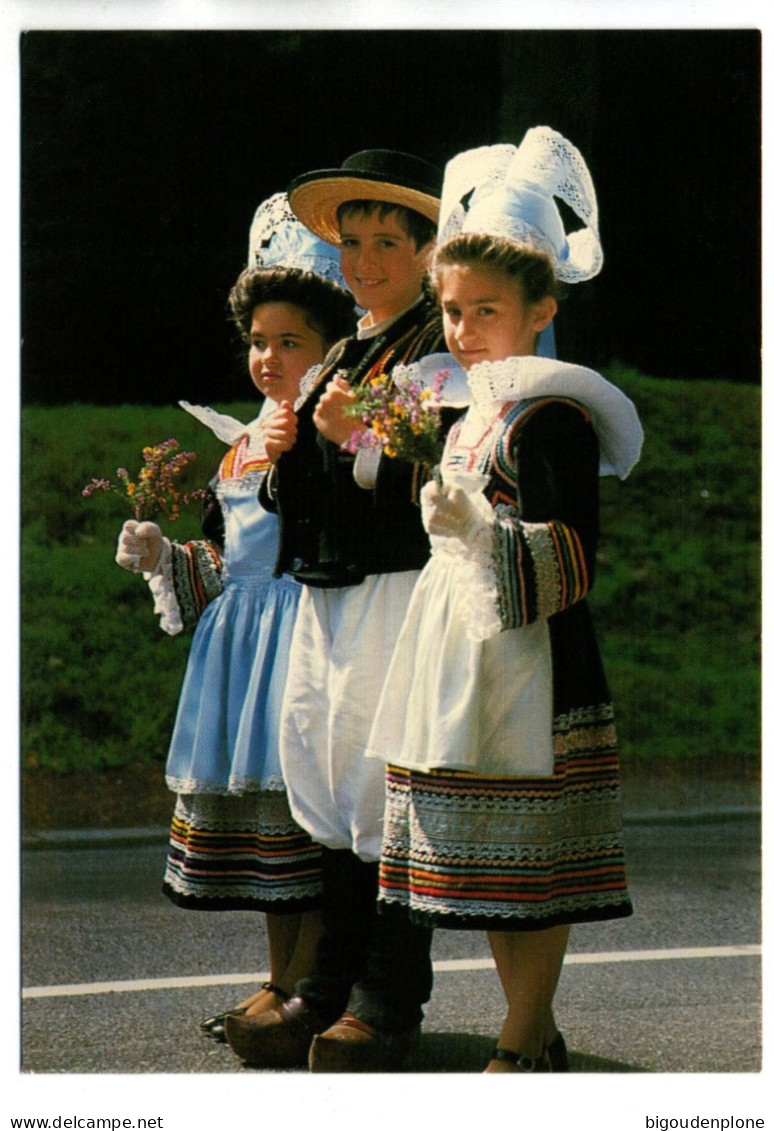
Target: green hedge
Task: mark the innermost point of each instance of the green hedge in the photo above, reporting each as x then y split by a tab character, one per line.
676	601
677	597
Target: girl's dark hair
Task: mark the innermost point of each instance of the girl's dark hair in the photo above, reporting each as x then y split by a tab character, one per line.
329	309
414	224
533	269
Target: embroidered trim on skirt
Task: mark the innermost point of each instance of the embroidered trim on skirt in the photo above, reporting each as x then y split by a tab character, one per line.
503	853
240	853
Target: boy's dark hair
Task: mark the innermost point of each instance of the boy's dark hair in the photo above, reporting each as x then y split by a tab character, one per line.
414	224
329	310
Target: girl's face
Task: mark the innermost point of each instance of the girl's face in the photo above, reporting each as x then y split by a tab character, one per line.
485	316
282	347
381	264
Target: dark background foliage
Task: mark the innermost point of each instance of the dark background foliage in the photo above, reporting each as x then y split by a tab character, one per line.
144	155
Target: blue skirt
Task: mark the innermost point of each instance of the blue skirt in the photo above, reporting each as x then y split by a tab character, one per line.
225	738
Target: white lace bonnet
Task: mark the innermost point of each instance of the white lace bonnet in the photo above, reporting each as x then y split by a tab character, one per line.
279	239
510	192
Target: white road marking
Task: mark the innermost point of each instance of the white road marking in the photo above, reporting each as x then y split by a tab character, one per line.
140	985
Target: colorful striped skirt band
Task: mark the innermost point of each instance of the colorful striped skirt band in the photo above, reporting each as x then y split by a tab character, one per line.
240	852
503	853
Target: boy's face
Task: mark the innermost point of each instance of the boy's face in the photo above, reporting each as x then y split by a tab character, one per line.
381	264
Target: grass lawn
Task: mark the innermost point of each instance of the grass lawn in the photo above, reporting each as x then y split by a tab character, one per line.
676	601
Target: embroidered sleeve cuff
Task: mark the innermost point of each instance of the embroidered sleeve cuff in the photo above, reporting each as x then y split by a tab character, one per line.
196	576
540	569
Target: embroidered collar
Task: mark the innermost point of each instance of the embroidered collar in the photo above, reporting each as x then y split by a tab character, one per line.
615	419
490	384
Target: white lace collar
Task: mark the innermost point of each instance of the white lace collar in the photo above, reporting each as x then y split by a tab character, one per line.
228	428
493	383
307	385
613	415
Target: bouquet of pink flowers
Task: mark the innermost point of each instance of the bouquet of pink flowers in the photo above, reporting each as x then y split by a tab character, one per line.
155	491
401	416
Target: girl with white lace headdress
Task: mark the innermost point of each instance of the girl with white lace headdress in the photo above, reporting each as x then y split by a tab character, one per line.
233	843
503	810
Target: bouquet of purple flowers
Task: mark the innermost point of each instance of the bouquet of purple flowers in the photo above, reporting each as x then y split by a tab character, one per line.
155	492
401	416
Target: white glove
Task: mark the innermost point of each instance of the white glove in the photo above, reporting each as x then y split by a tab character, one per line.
139	546
450	512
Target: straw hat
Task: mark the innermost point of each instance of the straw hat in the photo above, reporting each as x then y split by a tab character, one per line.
373	174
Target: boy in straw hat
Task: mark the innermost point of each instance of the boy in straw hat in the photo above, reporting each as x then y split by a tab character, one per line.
352	534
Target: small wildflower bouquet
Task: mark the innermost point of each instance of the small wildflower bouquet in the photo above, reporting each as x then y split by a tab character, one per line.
402	416
155	492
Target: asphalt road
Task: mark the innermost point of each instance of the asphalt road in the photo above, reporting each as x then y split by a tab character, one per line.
674	989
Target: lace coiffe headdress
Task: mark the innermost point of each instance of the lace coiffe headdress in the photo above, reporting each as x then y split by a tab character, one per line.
279	239
509	191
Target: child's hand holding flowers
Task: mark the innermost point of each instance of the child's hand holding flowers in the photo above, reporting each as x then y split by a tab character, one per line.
280	431
402	416
333	416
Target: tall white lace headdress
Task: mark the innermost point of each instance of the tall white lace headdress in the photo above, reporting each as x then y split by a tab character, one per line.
279	239
510	191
